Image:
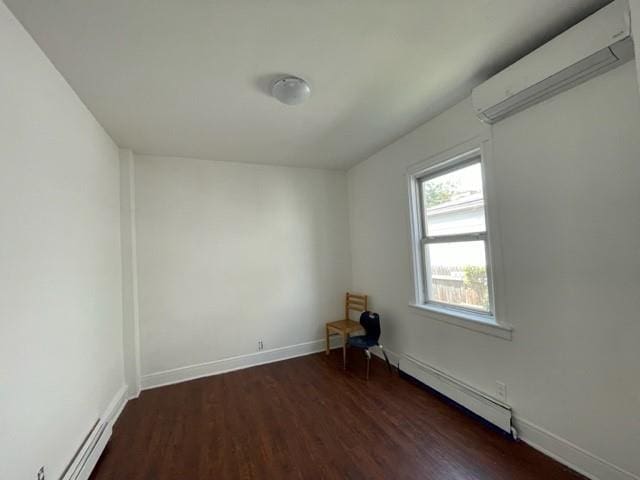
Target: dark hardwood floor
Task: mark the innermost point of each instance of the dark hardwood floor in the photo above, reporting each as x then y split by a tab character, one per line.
306	418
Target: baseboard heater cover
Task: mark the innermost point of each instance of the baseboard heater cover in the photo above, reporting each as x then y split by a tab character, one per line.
88	453
483	405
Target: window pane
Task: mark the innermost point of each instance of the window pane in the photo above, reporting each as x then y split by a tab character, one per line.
456	274
454	202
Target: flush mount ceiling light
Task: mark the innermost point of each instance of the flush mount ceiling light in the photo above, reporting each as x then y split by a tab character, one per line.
291	90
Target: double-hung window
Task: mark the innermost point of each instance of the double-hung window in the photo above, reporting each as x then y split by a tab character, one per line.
451	239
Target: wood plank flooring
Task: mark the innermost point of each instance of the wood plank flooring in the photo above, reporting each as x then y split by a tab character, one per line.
306	418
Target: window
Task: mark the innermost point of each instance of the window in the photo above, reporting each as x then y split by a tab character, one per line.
451	238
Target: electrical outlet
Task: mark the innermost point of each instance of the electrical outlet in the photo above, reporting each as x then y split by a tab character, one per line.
501	391
260	345
41	474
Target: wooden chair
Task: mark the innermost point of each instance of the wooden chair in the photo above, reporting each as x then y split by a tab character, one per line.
352	301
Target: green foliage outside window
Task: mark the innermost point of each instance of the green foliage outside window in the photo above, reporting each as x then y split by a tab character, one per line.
437	193
475	278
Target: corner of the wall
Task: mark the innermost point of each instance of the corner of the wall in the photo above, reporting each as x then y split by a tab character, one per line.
133	391
130	313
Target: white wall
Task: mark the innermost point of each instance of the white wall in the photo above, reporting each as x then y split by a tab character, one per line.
232	253
567	176
60	299
634	6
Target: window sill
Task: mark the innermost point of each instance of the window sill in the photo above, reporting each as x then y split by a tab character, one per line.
477	323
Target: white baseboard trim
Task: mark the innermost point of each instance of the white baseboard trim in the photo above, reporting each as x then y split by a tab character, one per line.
486	406
561	450
117	404
94	444
133	392
565	452
216	367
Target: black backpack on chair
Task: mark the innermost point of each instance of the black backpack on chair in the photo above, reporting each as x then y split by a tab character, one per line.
370	321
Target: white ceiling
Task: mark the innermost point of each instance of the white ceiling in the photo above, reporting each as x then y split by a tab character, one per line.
191	78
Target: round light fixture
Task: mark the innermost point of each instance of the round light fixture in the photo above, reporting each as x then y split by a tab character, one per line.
291	90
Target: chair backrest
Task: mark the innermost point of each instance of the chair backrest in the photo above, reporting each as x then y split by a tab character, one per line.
355	301
370	321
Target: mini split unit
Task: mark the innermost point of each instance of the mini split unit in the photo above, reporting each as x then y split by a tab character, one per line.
599	43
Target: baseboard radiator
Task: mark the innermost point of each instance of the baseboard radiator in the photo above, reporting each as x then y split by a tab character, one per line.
88	453
483	405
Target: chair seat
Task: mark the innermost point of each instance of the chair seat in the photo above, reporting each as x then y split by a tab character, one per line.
345	326
362	341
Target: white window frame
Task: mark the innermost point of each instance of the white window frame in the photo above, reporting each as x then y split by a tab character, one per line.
467	153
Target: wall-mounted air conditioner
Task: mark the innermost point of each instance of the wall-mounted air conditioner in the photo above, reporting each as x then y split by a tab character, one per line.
599	43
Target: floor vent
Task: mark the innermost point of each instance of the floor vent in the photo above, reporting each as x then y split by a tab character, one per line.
483	405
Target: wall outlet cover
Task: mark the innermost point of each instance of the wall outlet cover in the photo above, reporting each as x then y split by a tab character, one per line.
501	391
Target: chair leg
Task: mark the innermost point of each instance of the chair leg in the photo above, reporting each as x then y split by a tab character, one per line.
368	354
327	351
386	358
345	337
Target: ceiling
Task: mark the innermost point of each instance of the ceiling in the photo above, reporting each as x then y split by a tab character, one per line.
191	78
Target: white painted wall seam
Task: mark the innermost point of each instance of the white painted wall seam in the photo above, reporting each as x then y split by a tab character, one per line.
131	328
